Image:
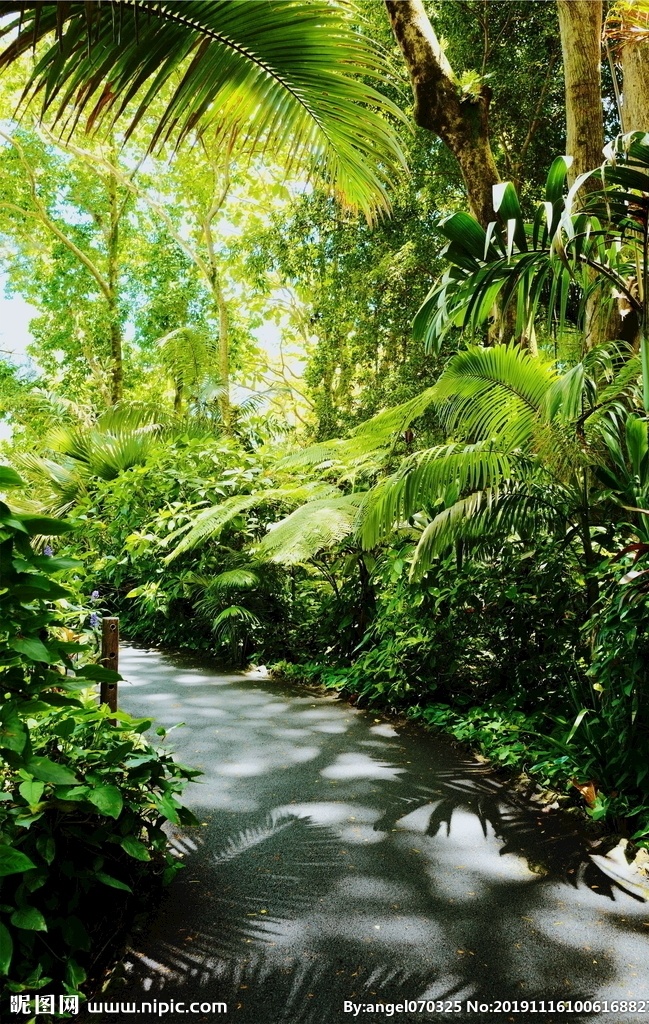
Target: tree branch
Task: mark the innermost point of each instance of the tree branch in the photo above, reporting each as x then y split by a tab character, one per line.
40	214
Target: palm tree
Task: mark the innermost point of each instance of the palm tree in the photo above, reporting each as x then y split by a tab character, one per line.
293	76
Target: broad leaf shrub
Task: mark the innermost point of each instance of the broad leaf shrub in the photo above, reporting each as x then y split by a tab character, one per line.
82	801
465	634
609	737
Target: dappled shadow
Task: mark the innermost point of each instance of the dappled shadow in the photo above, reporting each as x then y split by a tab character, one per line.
343	859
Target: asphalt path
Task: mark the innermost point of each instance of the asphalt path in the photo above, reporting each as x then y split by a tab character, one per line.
346	863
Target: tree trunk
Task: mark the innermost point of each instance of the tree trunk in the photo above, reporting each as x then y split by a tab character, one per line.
580	23
634	58
224	352
460	121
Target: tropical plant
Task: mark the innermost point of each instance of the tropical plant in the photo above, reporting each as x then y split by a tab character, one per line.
82	801
576	250
295	76
532	442
122	437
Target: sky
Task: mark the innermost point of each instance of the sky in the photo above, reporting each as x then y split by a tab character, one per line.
15	315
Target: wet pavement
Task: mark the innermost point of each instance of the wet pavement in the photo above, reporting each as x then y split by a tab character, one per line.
344	862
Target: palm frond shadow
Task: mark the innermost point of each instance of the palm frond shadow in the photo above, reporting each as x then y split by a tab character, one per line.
555	844
254	895
266	879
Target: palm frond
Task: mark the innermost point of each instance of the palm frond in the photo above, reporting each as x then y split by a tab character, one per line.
189	356
294	75
313	527
424	479
211	521
101	454
65	483
494	392
231	619
484	519
234	579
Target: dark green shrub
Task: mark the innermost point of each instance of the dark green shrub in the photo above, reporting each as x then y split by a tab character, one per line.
82	801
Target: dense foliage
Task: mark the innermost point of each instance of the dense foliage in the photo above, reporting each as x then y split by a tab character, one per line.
82	799
233	438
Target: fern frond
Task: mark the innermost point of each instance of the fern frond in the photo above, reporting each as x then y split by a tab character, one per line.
211	521
312	528
377	432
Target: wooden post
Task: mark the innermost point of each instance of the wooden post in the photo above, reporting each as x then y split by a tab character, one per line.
109	658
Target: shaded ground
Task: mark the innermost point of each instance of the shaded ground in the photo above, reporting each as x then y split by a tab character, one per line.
342	859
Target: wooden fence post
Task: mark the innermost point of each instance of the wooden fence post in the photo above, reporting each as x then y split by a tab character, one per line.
109	658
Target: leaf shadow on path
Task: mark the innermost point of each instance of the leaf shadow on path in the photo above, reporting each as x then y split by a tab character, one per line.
343	859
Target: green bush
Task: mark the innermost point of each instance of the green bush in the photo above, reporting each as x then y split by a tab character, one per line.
82	801
472	632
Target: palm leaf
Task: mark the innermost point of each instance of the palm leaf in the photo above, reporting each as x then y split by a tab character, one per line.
494	392
230	619
294	75
211	521
312	528
484	519
425	478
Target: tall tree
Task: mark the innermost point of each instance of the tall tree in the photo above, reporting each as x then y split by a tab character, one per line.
580	23
204	199
460	119
68	219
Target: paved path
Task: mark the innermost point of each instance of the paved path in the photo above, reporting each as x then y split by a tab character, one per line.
346	860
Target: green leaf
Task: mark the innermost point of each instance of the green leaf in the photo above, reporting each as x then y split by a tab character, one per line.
556	179
45	526
13	862
71	792
464	231
31	791
107	799
507	205
113	882
98	674
135	848
13	732
6	949
48	771
74	974
75	933
50	564
33	649
9	478
30	919
46	846
167	808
